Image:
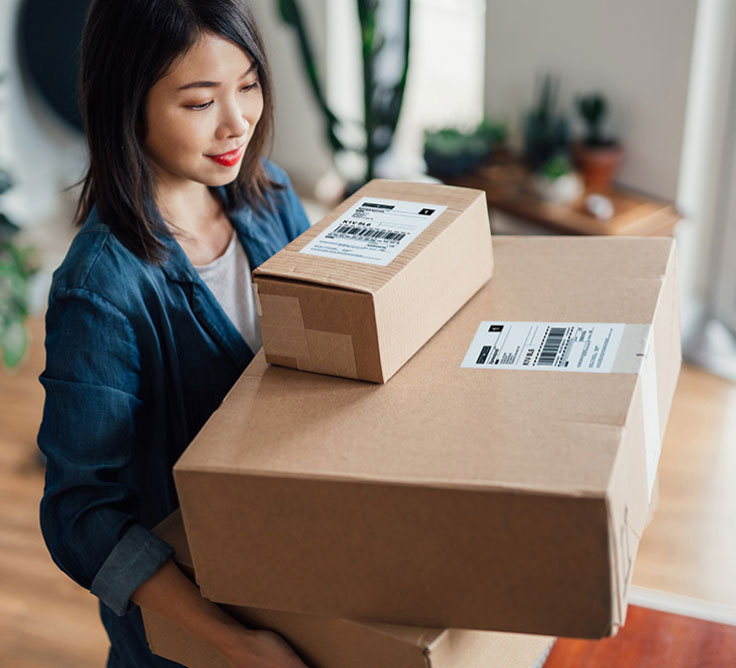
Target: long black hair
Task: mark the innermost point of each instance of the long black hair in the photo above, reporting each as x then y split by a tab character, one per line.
127	46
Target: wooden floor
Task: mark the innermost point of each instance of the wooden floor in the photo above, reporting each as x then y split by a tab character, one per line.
689	549
651	639
45	619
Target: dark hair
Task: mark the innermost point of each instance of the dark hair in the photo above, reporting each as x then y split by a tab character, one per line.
127	46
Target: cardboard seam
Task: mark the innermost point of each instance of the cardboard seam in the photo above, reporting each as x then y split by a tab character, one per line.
461	486
421	642
618	426
374	313
279	277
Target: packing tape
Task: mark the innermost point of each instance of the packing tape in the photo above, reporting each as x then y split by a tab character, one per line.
636	355
330	353
257	299
284	335
282	326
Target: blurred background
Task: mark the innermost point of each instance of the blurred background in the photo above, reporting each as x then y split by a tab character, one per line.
575	117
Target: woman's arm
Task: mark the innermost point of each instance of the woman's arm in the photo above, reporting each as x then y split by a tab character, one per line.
88	514
170	594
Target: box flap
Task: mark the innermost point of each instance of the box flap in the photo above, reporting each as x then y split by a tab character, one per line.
291	264
550	432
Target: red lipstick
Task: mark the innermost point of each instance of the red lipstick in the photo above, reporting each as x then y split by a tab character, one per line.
230	158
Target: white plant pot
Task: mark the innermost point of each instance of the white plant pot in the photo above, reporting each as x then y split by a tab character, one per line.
562	190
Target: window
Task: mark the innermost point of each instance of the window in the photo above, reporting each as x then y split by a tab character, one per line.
446	73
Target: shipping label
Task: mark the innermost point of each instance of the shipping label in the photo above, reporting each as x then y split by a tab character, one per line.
590	347
374	230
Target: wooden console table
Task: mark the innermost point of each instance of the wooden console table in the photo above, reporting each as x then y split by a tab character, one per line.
508	189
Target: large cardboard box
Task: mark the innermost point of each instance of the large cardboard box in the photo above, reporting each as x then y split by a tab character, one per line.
338	643
508	494
362	290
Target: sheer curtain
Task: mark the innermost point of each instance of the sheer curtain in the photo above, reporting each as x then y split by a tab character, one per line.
708	191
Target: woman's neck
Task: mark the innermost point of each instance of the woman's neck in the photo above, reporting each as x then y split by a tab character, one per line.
188	208
196	219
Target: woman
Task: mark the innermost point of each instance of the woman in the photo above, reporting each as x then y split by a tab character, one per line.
151	316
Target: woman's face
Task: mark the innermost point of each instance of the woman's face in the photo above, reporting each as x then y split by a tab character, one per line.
202	113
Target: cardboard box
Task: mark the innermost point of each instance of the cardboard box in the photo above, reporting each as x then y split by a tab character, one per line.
337	643
487	498
362	290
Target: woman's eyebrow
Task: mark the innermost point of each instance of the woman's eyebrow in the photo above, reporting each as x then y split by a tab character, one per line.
213	84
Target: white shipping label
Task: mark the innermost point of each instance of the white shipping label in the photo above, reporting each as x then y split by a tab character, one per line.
590	347
374	230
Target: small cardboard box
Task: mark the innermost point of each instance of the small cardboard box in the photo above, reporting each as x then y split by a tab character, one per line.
337	643
362	290
500	481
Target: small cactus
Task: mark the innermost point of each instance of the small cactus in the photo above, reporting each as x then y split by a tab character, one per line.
593	108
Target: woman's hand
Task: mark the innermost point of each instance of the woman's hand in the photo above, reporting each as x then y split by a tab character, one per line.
261	649
172	595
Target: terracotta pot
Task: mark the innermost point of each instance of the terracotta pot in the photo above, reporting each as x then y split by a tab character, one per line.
598	165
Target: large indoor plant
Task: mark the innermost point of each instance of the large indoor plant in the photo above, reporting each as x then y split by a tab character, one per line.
382	99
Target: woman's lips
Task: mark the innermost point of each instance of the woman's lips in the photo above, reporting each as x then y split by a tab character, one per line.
230	158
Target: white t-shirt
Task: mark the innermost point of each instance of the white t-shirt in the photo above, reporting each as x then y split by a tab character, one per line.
228	278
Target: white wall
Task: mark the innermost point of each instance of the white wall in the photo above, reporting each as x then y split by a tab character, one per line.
43	153
636	52
299	143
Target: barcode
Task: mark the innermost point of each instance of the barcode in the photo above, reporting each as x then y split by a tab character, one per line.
367	233
552	346
483	355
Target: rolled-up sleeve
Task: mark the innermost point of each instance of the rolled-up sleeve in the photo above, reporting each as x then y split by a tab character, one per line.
89	514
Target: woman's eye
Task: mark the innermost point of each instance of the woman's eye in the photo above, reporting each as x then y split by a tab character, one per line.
250	86
199	107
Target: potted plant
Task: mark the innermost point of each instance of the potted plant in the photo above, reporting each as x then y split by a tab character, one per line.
598	157
546	132
451	150
557	182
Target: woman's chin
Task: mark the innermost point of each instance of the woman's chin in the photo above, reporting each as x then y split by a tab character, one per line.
221	175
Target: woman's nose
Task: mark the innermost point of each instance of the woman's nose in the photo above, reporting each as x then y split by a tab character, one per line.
232	122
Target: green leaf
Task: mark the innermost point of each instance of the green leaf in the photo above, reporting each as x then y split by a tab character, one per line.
14	342
289	12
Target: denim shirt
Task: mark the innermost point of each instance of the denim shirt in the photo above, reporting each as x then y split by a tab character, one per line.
138	356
